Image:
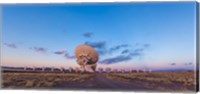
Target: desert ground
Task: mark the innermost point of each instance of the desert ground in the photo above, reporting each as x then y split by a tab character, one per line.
155	81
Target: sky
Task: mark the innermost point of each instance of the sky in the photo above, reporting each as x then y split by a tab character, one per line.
153	36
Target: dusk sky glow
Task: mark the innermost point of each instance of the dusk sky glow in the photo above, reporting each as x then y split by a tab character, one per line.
126	35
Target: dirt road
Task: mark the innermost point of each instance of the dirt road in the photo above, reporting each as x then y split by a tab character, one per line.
101	82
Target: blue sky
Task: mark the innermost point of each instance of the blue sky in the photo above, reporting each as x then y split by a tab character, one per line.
126	35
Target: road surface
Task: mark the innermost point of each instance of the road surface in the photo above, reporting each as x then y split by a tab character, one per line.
100	82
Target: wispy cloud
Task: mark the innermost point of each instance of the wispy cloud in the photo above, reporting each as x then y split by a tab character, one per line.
60	52
173	64
115	59
67	56
121	58
115	48
39	49
139	50
189	63
65	53
12	45
98	45
135	54
101	47
101	51
125	51
126	54
88	34
146	45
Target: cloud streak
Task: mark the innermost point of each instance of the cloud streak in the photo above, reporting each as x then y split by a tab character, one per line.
146	45
115	59
190	63
126	54
60	52
67	56
39	49
120	58
173	64
88	34
111	50
125	51
11	45
98	45
101	47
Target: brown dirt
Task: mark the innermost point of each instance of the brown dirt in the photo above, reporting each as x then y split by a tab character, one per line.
163	81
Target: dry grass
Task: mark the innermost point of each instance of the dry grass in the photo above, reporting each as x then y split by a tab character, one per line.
40	80
160	80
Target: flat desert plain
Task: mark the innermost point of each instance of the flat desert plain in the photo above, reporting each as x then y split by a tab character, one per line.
154	81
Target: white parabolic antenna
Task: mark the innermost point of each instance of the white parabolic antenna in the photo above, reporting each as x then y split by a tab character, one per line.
87	57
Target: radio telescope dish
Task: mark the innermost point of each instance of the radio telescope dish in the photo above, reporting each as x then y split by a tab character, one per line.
87	57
